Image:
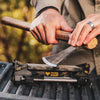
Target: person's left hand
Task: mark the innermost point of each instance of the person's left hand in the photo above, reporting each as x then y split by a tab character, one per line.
83	32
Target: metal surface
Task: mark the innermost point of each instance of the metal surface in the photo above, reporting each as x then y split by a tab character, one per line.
45	90
45	67
55	59
56	79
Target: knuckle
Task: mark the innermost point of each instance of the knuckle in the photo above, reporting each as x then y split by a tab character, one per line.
33	27
40	27
87	27
51	41
41	24
97	28
74	37
47	26
91	15
88	37
80	38
79	24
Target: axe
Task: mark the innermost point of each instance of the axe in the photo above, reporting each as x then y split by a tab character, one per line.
60	35
55	59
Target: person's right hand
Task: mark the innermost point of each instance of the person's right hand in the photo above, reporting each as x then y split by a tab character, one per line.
44	27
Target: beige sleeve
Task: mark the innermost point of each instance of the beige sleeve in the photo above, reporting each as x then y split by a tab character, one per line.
40	4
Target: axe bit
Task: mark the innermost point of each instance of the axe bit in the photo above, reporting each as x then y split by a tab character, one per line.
55	59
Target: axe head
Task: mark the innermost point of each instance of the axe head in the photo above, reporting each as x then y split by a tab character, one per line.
55	59
47	61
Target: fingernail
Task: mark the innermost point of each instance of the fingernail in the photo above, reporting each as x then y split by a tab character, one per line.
78	43
73	43
85	42
69	42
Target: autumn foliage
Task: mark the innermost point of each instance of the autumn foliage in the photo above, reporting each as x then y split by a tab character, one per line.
16	43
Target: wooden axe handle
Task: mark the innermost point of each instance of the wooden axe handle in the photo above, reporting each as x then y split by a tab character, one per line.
60	35
16	23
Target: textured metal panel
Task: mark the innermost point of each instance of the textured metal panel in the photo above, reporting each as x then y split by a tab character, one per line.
8	86
45	90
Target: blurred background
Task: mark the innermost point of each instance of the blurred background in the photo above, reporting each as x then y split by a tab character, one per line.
16	43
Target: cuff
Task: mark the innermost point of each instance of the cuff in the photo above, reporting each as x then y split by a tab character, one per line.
40	4
45	9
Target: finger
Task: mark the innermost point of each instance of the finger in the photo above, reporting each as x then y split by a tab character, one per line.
34	24
46	41
64	26
92	35
70	38
35	34
40	31
84	32
50	31
76	33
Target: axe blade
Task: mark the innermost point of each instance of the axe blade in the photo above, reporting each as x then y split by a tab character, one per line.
55	59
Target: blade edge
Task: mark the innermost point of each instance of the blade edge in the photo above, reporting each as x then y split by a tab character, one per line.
48	63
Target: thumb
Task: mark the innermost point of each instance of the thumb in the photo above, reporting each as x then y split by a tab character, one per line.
66	27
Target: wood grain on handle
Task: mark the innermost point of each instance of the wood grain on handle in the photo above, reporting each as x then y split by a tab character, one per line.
60	35
16	23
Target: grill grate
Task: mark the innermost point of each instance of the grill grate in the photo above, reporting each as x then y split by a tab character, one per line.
44	90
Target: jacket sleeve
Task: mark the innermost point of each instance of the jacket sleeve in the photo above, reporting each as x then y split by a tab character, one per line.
40	4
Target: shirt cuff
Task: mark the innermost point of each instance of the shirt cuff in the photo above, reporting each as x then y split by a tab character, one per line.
40	4
49	7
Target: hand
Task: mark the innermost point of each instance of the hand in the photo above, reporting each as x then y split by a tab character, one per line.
83	33
44	27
